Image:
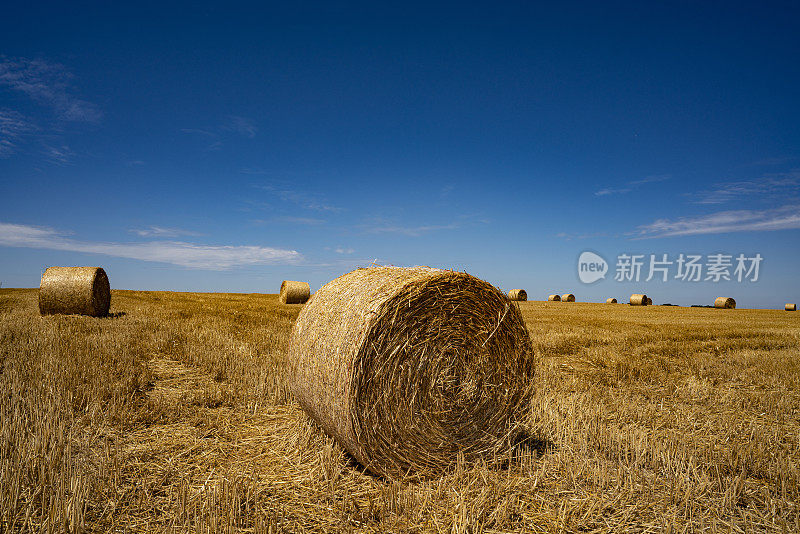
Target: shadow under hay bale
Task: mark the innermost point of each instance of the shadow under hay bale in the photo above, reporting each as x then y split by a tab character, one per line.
554	298
568	297
518	294
408	367
294	292
75	291
725	303
638	299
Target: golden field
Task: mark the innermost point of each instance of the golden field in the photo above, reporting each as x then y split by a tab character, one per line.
172	414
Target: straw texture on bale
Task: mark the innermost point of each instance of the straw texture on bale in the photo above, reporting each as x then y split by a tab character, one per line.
611	300
554	298
75	291
638	299
518	294
791	307
294	292
409	367
568	297
725	302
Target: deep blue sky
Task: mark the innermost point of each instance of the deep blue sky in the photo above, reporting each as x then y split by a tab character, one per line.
225	148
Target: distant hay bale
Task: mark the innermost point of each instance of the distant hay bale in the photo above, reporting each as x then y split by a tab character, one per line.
518	294
611	300
74	291
294	292
409	367
554	298
568	297
638	299
649	301
725	302
791	307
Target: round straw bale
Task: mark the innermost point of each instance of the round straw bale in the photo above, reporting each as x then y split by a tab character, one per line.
724	302
408	367
638	299
518	294
554	298
294	292
611	300
75	290
791	307
568	297
649	301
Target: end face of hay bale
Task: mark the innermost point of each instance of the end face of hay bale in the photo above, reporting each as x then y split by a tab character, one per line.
554	298
649	301
518	294
568	297
409	367
294	292
638	299
725	303
611	300
75	291
791	307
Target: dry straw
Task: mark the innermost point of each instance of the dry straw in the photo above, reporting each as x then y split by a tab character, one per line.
408	368
294	292
725	302
791	307
554	298
75	291
611	300
568	297
638	299
518	294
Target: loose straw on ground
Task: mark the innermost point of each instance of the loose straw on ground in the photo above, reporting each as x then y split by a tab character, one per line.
407	368
75	291
294	292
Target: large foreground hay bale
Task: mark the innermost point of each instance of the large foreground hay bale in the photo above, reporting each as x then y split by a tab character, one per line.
75	291
518	294
611	300
554	298
791	307
408	367
724	302
568	297
638	299
294	292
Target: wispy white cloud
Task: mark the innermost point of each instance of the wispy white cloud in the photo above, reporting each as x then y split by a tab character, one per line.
49	84
302	199
309	221
60	155
773	185
241	125
633	184
344	250
190	255
160	231
783	218
571	236
13	126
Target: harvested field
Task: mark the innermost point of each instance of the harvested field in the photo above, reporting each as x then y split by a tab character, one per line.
173	413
